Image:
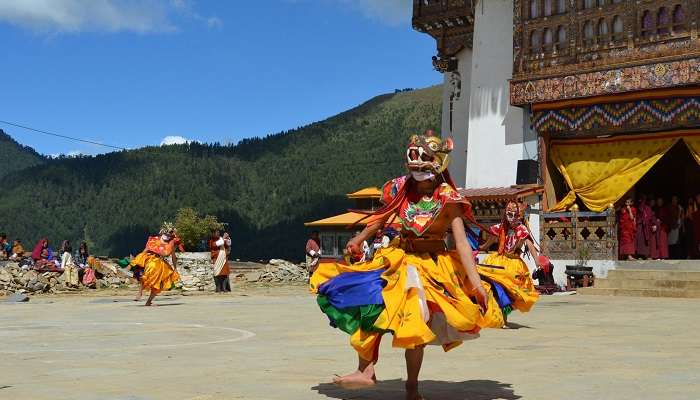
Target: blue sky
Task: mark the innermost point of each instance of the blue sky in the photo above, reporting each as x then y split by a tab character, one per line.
131	73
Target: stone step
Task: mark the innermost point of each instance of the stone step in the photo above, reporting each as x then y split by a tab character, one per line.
635	283
665	265
676	293
649	274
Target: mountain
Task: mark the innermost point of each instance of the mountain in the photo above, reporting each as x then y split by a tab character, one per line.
14	156
265	188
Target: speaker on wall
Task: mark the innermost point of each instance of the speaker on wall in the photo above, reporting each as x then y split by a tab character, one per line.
528	171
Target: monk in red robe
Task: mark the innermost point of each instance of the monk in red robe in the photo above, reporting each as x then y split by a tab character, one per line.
659	238
627	217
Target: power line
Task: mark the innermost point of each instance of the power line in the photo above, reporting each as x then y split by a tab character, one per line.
62	136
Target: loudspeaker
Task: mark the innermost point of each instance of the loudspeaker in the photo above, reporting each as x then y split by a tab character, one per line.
528	171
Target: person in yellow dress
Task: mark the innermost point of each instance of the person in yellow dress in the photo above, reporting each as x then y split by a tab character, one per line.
156	274
511	234
415	288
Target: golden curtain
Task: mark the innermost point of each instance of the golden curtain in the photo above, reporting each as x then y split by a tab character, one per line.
693	144
600	172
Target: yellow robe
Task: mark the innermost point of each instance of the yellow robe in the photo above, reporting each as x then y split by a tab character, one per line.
158	275
426	300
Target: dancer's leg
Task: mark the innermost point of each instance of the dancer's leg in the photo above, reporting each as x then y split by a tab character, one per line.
151	296
364	376
414	360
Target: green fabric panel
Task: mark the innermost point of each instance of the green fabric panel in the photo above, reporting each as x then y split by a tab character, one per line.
350	319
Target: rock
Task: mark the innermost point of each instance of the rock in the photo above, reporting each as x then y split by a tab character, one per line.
17	298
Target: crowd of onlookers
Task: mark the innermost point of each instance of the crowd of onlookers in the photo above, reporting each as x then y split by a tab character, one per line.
653	228
78	267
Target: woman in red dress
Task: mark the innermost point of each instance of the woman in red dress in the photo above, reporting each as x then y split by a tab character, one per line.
627	217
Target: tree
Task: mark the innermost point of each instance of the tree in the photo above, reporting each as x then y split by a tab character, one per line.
192	228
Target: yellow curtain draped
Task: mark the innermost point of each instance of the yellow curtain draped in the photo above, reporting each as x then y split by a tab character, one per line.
600	173
693	144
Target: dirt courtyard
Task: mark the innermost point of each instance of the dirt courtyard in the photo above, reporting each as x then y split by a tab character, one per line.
275	344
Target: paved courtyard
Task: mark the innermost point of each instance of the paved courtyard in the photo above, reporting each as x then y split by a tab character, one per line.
275	344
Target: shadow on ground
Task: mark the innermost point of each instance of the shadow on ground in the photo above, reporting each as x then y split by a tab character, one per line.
431	390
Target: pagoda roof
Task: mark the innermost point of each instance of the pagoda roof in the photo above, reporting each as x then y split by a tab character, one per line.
372	192
342	220
515	192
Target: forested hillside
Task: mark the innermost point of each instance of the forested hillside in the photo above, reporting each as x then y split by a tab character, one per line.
265	188
14	156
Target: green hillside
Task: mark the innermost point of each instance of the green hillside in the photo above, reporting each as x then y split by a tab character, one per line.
14	156
265	188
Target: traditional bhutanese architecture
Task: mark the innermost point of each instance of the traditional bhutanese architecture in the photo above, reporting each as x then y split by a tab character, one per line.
335	231
597	91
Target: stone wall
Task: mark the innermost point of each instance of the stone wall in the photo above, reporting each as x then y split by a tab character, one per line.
196	271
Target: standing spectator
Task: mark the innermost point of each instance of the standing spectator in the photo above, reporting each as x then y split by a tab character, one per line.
688	234
627	217
220	248
645	221
696	228
70	272
80	259
675	211
659	241
313	252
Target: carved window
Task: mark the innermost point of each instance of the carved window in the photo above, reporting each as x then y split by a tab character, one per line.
588	33
662	21
678	19
547	8
588	3
603	31
647	24
535	42
561	38
618	28
561	6
548	39
534	10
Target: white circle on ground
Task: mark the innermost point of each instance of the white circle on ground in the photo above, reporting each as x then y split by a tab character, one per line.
88	337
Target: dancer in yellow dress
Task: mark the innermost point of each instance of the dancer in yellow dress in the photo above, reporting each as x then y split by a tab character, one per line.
156	274
415	288
506	266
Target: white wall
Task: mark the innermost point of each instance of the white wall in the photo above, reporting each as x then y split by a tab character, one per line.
460	116
499	134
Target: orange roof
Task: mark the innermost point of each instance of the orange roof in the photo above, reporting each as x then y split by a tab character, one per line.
366	193
342	220
501	193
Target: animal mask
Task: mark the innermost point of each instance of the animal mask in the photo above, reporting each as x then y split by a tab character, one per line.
428	153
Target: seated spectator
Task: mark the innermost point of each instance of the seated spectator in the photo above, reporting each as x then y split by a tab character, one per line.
5	248
43	256
17	250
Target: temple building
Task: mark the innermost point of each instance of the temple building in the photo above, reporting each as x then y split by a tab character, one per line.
336	231
586	102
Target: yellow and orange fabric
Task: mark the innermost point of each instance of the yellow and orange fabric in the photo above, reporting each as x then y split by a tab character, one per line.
600	171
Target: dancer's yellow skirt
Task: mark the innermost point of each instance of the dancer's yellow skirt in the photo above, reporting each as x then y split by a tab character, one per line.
514	277
420	298
158	275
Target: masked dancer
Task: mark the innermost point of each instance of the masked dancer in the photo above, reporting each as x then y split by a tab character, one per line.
156	273
414	288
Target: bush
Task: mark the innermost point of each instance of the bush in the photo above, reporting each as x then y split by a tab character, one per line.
192	228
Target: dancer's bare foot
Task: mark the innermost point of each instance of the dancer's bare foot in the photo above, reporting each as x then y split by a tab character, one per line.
412	392
356	380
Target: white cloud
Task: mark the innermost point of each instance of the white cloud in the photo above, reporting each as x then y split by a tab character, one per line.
215	23
168	140
72	16
390	12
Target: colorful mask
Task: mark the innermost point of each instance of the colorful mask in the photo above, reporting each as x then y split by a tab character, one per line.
428	153
512	212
